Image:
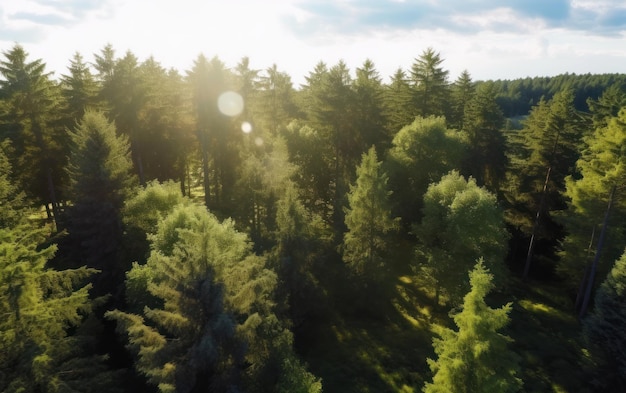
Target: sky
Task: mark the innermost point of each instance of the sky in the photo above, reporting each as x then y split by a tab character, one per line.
492	39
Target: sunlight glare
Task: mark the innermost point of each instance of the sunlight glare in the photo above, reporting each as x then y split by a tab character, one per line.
246	127
258	141
230	103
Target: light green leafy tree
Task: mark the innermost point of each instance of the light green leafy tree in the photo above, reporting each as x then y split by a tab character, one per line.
462	222
475	358
421	154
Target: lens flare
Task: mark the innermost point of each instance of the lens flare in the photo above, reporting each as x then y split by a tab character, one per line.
246	127
258	142
230	103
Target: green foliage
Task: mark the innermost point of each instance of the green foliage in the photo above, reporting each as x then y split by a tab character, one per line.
461	93
11	199
482	124
100	180
398	101
475	358
152	203
369	106
604	327
39	306
28	115
313	160
264	173
79	90
421	153
203	287
462	222
273	105
600	167
368	219
430	84
550	138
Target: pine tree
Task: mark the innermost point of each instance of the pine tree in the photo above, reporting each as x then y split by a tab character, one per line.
462	222
208	80
79	89
398	101
100	172
31	104
204	309
600	169
604	328
12	200
461	93
39	308
274	105
482	124
550	138
368	219
475	358
430	84
369	107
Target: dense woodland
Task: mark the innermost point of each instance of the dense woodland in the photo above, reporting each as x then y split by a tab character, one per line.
220	229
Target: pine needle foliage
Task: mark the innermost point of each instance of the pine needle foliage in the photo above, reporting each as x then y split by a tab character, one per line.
604	327
38	307
475	358
207	321
368	219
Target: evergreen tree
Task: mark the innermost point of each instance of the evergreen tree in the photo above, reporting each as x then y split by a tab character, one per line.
462	222
312	155
12	200
607	106
398	101
100	181
29	120
550	138
79	89
205	309
475	358
208	80
369	107
604	328
461	93
263	176
164	136
274	104
44	342
430	84
600	169
300	237
368	219
330	103
482	124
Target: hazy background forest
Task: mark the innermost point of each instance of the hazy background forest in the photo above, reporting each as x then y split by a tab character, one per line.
220	229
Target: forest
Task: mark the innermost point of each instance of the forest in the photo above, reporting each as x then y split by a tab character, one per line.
219	229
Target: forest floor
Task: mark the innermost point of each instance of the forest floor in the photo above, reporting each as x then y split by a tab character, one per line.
386	351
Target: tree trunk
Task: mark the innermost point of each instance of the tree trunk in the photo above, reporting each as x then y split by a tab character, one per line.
531	246
596	260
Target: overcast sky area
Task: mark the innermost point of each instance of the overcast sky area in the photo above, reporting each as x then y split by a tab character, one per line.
492	39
